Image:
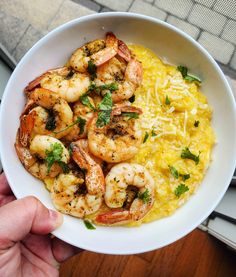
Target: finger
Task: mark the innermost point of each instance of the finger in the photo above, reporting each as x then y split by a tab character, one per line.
5	199
25	215
41	246
4	186
63	251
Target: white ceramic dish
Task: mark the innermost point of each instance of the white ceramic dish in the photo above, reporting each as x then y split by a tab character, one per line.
169	43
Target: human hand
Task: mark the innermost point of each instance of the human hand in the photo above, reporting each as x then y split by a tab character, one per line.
26	248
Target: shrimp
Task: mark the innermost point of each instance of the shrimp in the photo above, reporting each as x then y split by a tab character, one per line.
119	179
127	76
38	148
79	131
68	84
97	51
51	117
119	140
66	191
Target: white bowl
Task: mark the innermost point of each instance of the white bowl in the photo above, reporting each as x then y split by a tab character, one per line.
167	42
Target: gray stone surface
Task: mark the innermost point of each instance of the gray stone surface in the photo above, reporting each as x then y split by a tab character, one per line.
68	11
139	6
105	10
229	32
89	4
149	1
179	8
208	3
38	12
30	37
233	62
11	30
117	5
193	31
220	49
207	19
227	7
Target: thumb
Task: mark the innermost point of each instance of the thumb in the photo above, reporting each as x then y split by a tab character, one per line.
23	216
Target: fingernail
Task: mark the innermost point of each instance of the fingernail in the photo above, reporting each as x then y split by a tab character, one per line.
56	217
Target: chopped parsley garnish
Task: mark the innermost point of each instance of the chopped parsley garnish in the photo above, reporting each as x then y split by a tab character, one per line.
105	107
103	118
85	101
51	122
186	154
182	188
92	68
130	115
174	172
89	225
69	75
80	121
196	123
167	101
190	78
145	137
153	134
145	196
55	155
98	89
185	176
132	99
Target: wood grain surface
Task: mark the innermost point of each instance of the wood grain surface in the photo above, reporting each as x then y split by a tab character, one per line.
197	254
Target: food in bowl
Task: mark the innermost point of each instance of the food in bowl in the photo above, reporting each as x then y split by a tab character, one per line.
117	136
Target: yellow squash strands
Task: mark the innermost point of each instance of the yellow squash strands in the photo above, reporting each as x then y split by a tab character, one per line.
170	107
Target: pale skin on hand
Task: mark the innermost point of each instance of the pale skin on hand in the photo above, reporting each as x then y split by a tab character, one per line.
26	248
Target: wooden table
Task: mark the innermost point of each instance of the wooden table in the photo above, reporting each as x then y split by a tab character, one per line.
197	254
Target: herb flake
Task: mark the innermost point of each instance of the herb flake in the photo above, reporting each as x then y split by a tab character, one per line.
181	189
130	115
92	69
145	196
54	155
174	172
85	101
184	72
186	154
89	225
145	137
167	100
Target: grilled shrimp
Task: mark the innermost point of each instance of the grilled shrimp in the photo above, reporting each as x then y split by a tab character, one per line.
97	51
128	76
33	157
119	140
79	131
119	180
51	117
68	84
66	191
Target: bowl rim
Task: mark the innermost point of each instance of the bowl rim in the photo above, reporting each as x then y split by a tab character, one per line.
124	15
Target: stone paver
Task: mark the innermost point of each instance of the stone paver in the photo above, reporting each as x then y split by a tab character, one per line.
105	9
193	31
208	3
220	49
68	11
23	9
89	4
227	7
139	6
177	7
11	30
117	5
229	32
207	19
233	61
30	37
